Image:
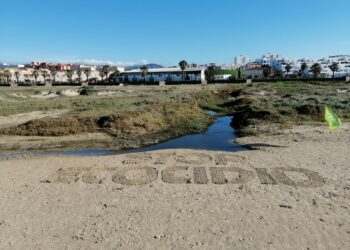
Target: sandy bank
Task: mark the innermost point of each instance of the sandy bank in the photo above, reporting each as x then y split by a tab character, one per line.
293	193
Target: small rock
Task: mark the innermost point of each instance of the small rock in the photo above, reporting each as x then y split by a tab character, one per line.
45	181
286	206
159	236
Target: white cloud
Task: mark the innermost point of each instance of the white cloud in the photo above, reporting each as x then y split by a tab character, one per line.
144	62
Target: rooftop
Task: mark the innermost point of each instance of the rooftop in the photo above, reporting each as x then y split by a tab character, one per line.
162	70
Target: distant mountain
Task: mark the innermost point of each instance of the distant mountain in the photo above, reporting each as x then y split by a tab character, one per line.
3	65
6	65
150	66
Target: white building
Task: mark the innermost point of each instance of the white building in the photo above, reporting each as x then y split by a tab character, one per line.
274	61
225	77
161	74
253	70
343	62
241	60
228	66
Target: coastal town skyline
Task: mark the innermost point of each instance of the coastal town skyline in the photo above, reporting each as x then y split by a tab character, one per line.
134	32
237	60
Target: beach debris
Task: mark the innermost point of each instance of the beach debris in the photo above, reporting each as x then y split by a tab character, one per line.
286	206
333	120
342	90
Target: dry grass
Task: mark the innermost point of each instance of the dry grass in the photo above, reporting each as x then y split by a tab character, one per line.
181	118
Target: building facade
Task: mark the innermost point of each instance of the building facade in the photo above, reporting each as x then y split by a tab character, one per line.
241	60
161	74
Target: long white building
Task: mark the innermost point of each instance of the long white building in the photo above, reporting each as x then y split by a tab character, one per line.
161	74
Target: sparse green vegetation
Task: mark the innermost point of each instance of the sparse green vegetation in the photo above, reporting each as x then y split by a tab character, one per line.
142	115
87	90
284	103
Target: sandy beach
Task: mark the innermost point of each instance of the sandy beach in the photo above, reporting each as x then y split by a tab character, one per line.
293	192
180	125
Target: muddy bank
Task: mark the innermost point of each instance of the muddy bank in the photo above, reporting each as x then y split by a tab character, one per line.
123	130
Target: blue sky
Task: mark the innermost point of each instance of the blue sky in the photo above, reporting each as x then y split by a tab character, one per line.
166	31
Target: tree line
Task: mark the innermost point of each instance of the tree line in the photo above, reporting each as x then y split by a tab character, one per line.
316	70
52	72
103	72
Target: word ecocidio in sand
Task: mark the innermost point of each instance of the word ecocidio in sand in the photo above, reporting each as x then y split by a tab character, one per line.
193	169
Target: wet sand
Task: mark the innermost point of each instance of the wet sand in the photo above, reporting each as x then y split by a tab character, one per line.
291	193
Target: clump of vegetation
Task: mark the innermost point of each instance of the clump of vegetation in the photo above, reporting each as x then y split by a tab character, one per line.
176	110
284	103
214	99
208	100
87	90
315	112
174	118
212	71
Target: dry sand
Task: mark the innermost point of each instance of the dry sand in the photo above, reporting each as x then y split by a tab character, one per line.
292	193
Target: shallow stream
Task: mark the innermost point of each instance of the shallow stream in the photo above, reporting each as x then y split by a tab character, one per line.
219	137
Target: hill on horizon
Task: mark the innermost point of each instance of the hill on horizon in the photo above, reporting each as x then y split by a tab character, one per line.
150	66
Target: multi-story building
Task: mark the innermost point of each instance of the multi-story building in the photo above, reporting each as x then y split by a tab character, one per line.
241	60
274	61
343	62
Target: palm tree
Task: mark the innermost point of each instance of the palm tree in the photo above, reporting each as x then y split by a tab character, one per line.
7	75
316	69
106	69
102	74
144	71
79	73
209	73
334	67
53	72
278	73
183	65
87	73
116	72
266	70
44	74
303	67
300	73
288	68
69	74
17	75
36	75
239	73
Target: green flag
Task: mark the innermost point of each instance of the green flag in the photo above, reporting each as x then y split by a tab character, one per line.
332	119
